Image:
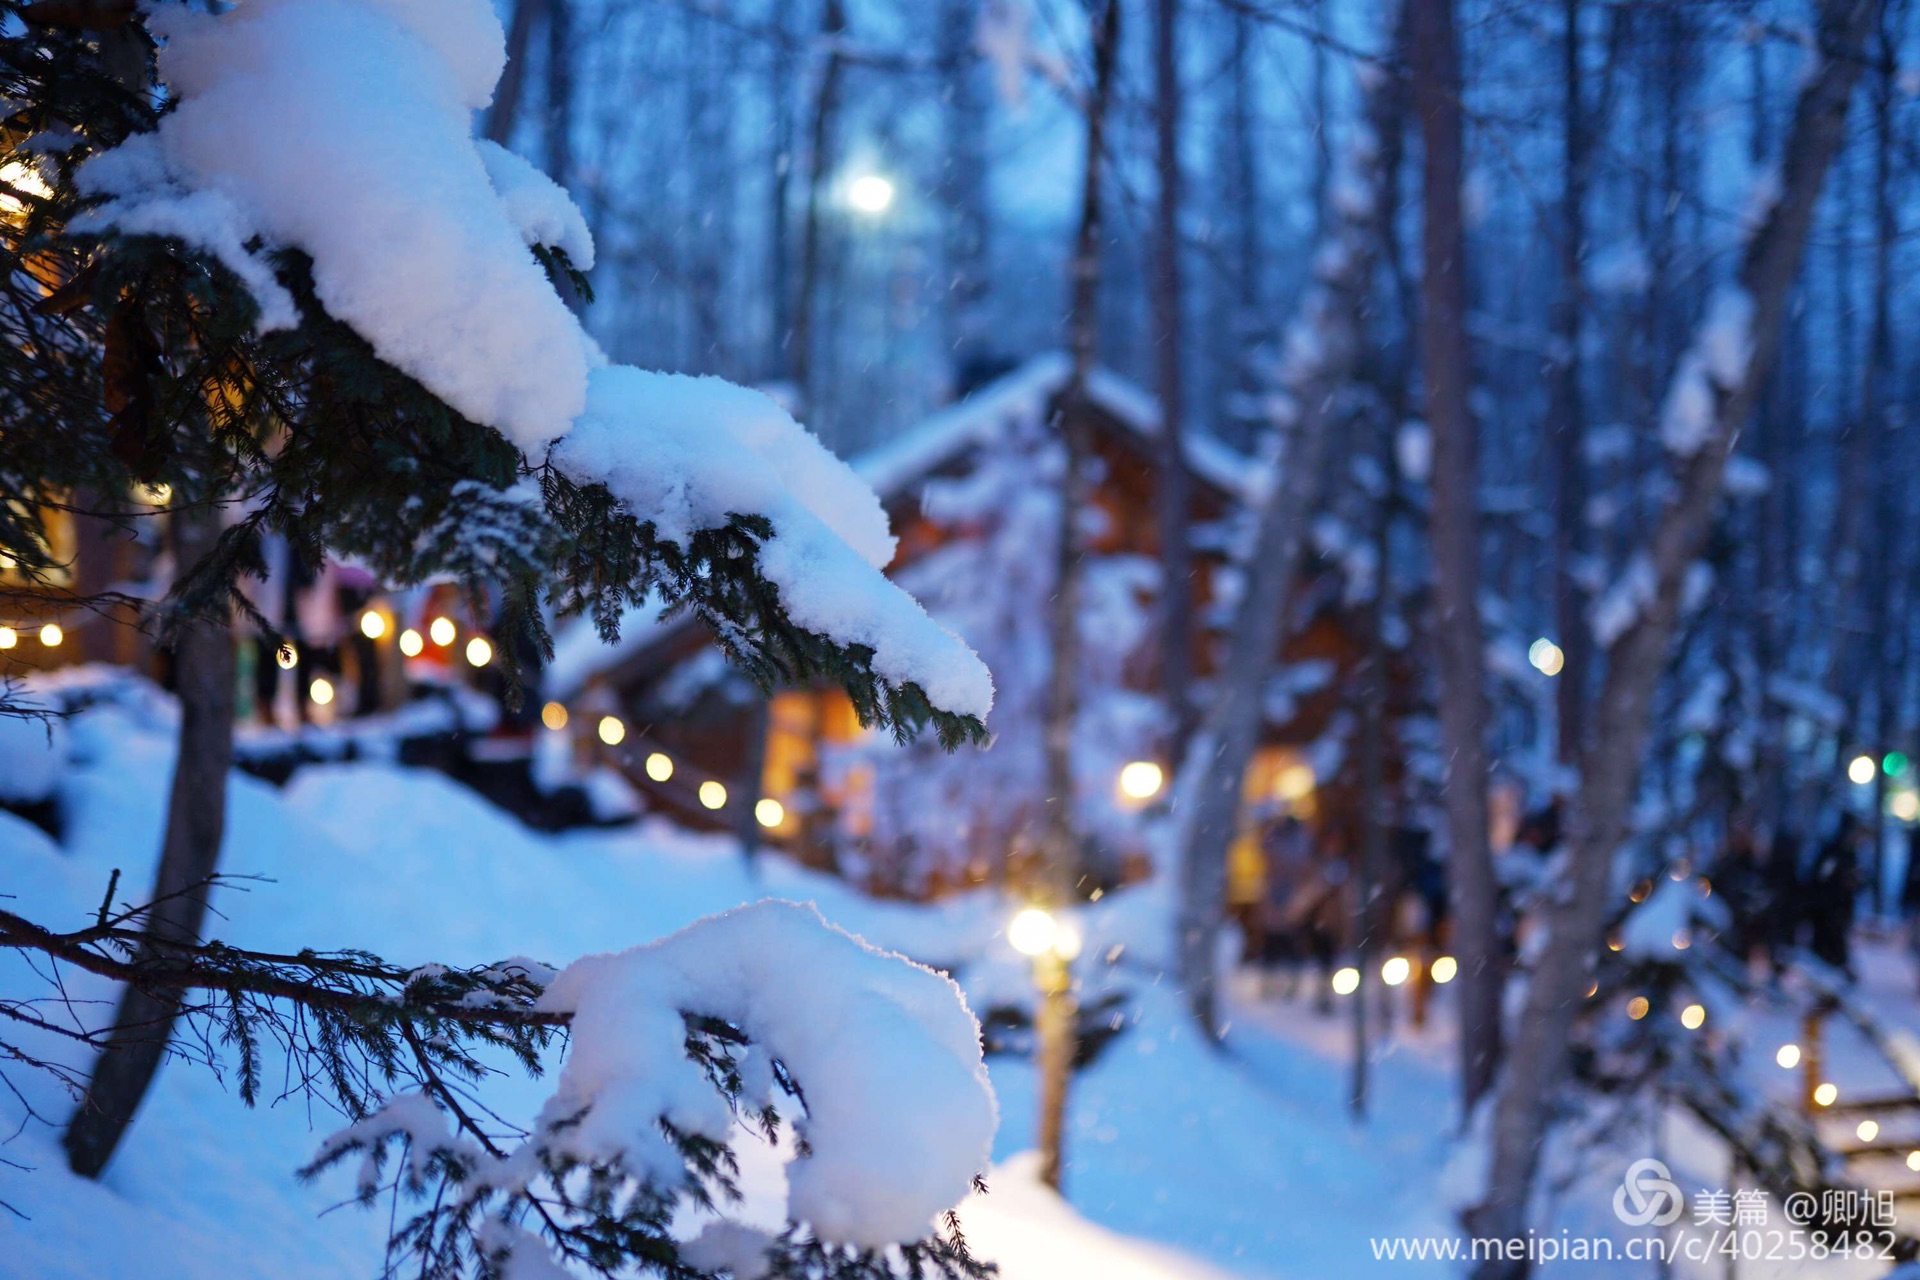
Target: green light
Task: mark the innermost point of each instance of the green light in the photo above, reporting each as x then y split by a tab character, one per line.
1894	763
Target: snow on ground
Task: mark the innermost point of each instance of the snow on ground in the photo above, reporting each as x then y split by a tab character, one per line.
1170	1144
1183	1163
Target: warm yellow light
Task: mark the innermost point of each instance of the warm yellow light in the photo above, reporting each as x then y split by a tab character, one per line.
411	643
1826	1094
1141	780
659	767
1906	806
612	731
1443	969
1868	1131
1789	1056
1862	770
51	635
1693	1016
1295	782
321	691
1593	989
770	812
18	177
870	194
1396	971
554	716
1682	939
479	652
286	657
1346	981
8	637
1032	932
1913	1161
712	794
1637	1008
441	631
373	624
156	495
1546	657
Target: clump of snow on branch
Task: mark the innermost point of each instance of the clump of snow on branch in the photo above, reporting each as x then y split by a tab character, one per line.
1713	367
899	1115
538	207
1664	924
882	1055
1622	604
363	158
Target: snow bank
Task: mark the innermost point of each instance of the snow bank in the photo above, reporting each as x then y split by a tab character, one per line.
33	755
343	128
899	1114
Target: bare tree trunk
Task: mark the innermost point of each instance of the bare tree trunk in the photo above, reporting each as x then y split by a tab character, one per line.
1446	369
189	854
1878	421
833	25
1322	352
1056	1026
1176	586
558	131
1638	655
1567	421
1375	804
1061	839
511	90
779	246
963	182
1242	312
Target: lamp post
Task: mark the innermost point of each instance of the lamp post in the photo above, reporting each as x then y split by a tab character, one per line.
1051	944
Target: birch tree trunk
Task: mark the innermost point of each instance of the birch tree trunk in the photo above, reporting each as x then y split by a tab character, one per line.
189	855
1322	351
1637	657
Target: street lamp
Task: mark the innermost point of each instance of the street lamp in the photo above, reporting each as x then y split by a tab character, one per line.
870	194
1051	943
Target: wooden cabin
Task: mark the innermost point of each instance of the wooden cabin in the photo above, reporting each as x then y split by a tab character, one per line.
798	771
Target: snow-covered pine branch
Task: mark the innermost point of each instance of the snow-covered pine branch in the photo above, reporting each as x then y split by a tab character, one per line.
379	270
754	1020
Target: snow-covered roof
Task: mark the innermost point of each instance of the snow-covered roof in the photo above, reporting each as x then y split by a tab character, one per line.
1026	392
893	468
579	653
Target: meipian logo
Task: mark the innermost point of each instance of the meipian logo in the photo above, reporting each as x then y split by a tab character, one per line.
1647	1195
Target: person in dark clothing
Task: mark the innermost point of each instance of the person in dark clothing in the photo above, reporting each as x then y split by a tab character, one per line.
1833	885
1910	885
1740	878
1780	924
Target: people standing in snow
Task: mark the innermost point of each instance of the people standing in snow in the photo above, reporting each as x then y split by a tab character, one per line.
1832	885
